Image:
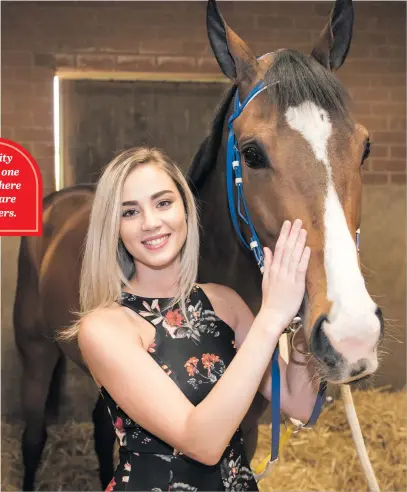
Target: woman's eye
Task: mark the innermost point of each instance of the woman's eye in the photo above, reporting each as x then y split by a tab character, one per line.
129	212
366	152
164	203
253	157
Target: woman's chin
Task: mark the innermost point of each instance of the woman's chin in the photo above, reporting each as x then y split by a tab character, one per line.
160	260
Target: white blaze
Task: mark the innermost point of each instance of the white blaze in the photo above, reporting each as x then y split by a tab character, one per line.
353	312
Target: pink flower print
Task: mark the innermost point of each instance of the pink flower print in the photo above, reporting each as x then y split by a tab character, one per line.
127	467
208	360
151	348
190	365
174	318
119	424
111	485
120	433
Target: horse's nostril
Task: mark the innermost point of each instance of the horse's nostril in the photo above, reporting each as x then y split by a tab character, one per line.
356	371
329	360
379	314
320	345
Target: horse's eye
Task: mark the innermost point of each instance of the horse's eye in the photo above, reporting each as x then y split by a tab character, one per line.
366	152
254	158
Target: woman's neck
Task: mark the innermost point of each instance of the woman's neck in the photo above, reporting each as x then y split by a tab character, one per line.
150	282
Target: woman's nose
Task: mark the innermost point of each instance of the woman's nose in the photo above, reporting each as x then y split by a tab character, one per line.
150	220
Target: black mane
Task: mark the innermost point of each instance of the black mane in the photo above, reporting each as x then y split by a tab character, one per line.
205	159
292	79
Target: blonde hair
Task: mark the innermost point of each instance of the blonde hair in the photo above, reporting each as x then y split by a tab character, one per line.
107	265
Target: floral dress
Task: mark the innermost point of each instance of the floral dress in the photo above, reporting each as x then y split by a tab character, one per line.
194	357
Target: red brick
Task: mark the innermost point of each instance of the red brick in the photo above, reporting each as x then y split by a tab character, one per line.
7	132
374	178
64	60
33	74
275	22
136	62
393	165
95	62
176	63
350	79
35	134
398	94
42	149
379	151
398	152
386	51
389	137
398	124
158	47
361	108
396	66
387	80
368	94
398	178
375	123
196	48
396	36
208	64
17	120
16	58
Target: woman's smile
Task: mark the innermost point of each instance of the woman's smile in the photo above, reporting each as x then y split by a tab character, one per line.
156	242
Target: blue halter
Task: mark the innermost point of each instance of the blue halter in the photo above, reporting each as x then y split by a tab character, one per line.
233	167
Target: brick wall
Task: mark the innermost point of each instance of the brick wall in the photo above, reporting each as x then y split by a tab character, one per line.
40	37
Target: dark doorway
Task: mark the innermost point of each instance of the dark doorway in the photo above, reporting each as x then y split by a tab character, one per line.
102	118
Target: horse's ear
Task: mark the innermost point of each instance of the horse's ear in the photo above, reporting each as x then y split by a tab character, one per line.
334	42
235	58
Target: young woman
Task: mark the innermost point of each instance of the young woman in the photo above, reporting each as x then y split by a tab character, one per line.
179	363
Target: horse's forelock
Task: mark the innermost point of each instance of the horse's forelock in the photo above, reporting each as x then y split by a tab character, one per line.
294	78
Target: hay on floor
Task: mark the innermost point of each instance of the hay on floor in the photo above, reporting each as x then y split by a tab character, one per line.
324	458
319	459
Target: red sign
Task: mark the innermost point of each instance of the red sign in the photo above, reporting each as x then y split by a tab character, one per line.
20	192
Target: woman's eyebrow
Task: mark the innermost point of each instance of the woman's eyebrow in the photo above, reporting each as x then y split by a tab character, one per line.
152	197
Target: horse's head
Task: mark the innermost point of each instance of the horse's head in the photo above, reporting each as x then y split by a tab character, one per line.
302	154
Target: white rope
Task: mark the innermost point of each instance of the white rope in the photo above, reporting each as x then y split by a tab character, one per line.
358	438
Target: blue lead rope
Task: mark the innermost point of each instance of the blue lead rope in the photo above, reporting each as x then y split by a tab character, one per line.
234	170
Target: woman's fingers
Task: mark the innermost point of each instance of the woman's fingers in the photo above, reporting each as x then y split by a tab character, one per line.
280	245
290	244
297	252
268	258
303	265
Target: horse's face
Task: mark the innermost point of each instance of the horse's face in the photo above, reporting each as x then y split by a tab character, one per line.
301	158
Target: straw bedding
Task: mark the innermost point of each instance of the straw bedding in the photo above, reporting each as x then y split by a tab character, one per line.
322	459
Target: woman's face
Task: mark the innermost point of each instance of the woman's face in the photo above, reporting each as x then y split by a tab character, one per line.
153	226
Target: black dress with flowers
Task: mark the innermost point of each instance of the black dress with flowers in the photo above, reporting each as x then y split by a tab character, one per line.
194	357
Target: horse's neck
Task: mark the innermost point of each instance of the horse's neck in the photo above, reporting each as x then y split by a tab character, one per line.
223	259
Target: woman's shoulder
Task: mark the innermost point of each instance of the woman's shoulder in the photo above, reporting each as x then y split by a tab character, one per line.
104	323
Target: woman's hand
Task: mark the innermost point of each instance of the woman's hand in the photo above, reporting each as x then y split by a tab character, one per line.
284	274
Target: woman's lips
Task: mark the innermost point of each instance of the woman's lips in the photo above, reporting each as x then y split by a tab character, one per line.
156	243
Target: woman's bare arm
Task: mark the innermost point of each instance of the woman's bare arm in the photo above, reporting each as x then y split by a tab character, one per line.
111	346
298	387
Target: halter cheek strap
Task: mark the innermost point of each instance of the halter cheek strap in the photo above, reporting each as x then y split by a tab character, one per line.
234	170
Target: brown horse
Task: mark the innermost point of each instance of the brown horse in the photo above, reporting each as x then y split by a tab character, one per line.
301	156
